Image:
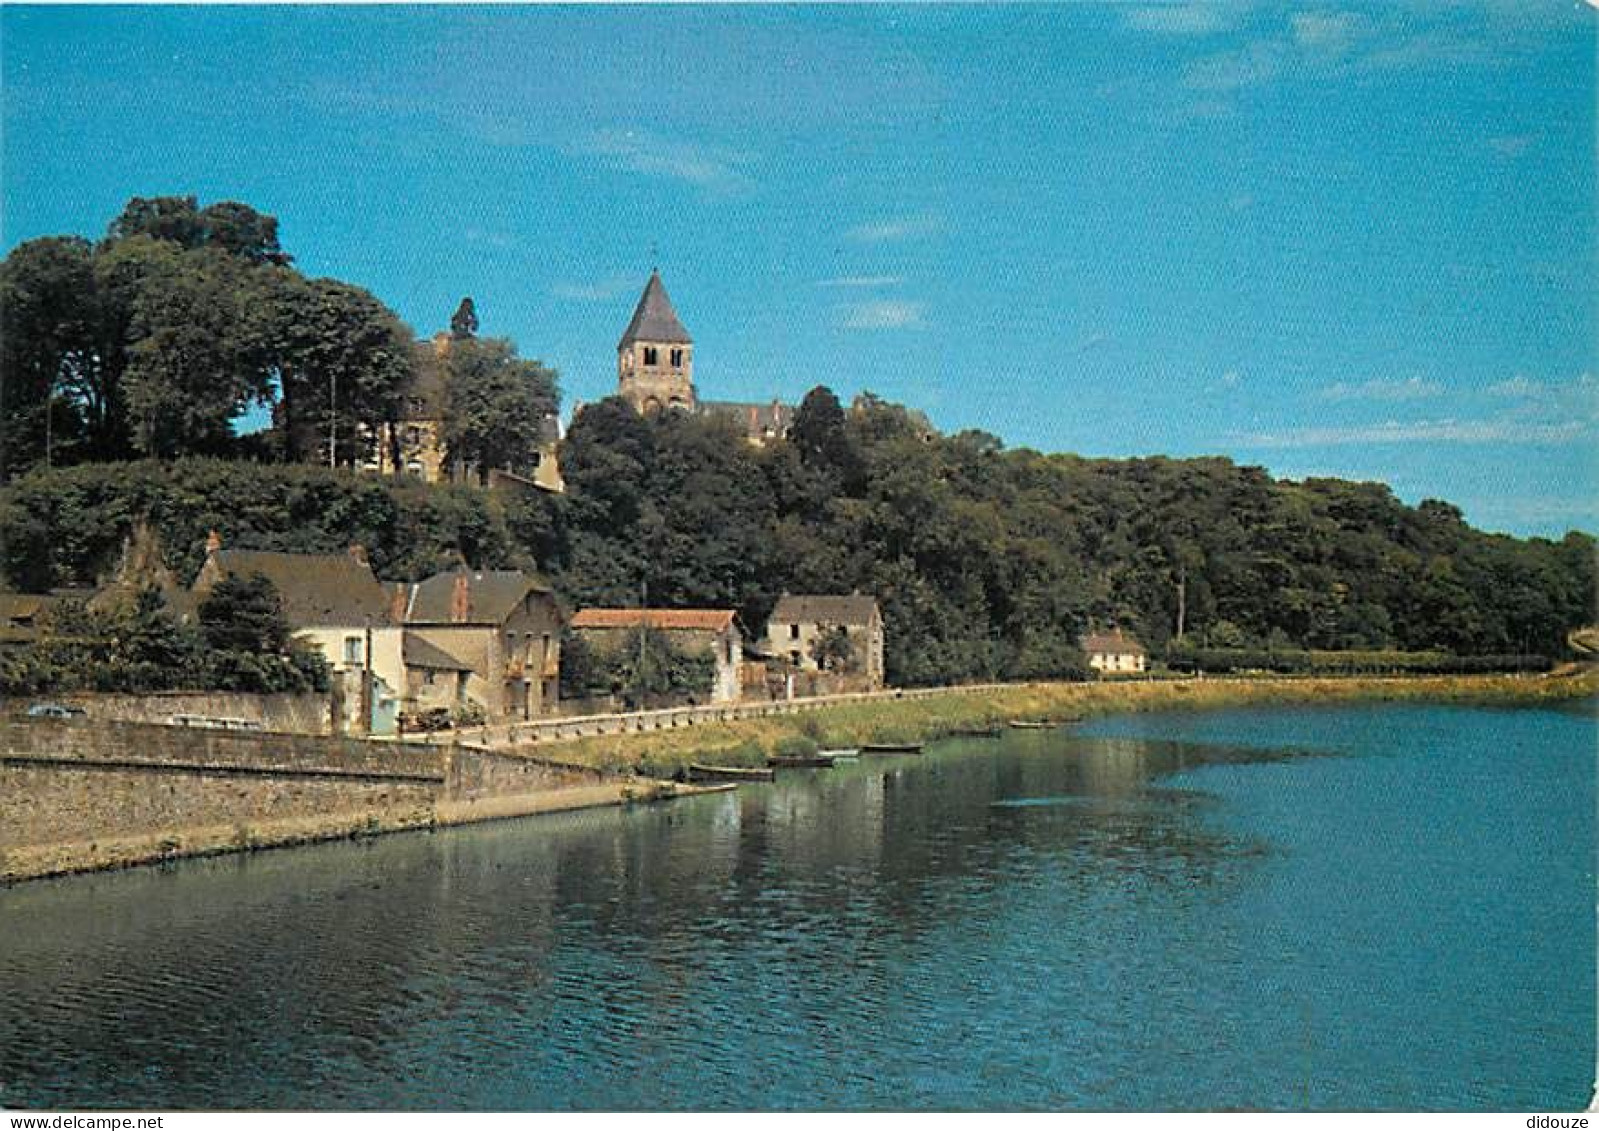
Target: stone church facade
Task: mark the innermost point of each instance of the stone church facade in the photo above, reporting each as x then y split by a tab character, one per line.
655	371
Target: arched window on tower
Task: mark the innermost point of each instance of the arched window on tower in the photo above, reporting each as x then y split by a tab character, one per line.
649	355
677	359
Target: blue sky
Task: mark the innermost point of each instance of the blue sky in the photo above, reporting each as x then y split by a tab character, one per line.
1329	239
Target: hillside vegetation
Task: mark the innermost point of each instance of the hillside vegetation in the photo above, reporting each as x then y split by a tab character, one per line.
989	563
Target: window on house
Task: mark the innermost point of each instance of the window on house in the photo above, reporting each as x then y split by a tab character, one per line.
427	678
649	355
352	649
793	632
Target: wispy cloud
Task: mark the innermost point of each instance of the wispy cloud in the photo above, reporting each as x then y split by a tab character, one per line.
712	169
863	281
599	290
1410	389
1196	18
1501	430
896	228
1332	33
886	314
1511	146
1226	71
1321	43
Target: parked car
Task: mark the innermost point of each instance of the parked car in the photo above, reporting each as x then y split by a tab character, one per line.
55	711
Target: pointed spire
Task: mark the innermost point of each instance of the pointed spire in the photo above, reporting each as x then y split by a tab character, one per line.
654	320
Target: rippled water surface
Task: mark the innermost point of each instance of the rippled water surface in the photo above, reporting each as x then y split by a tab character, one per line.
1386	907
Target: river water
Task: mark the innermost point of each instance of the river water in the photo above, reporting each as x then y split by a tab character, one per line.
1350	907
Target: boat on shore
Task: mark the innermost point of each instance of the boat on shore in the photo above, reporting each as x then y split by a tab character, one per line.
800	761
698	773
891	747
1031	724
846	754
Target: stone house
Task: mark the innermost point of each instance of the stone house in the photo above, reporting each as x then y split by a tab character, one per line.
800	621
692	631
501	627
1113	652
416	440
335	603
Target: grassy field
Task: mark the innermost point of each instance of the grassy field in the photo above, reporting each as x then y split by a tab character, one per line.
749	742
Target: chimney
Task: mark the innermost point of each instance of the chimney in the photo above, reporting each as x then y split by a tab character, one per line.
358	555
213	543
460	599
399	601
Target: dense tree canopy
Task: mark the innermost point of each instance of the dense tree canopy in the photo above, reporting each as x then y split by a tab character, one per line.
157	339
495	404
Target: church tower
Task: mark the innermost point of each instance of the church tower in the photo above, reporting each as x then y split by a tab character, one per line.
655	358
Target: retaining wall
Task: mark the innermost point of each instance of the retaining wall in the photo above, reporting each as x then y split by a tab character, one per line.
77	794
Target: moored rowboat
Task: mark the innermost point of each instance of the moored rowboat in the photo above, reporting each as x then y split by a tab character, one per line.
800	761
729	773
891	748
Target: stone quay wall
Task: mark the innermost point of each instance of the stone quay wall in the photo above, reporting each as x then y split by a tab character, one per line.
83	794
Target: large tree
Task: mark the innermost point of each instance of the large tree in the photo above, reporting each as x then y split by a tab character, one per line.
496	405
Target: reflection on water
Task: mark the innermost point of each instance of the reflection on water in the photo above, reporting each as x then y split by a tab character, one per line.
1250	909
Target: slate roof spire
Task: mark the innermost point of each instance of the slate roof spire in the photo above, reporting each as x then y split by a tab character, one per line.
654	320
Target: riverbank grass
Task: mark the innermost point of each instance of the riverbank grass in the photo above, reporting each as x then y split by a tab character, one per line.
749	742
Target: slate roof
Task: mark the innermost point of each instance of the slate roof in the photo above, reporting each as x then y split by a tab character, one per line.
1112	643
419	653
492	595
824	609
316	589
701	620
654	320
757	420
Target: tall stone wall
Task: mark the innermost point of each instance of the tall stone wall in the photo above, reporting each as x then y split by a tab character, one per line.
78	794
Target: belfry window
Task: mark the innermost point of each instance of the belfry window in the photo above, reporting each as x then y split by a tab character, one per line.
649	355
677	359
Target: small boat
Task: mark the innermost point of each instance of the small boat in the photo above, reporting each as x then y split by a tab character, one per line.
800	761
891	747
847	754
1027	724
729	773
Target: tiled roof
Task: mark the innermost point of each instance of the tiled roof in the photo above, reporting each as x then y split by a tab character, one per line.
703	620
824	609
492	595
654	320
1112	644
316	589
419	653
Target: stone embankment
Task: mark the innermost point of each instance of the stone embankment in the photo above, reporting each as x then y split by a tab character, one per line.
501	736
78	795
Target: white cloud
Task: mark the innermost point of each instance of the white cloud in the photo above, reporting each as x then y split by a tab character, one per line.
887	314
863	281
897	228
1411	389
1511	146
1517	386
710	168
1500	430
1182	19
1329	33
